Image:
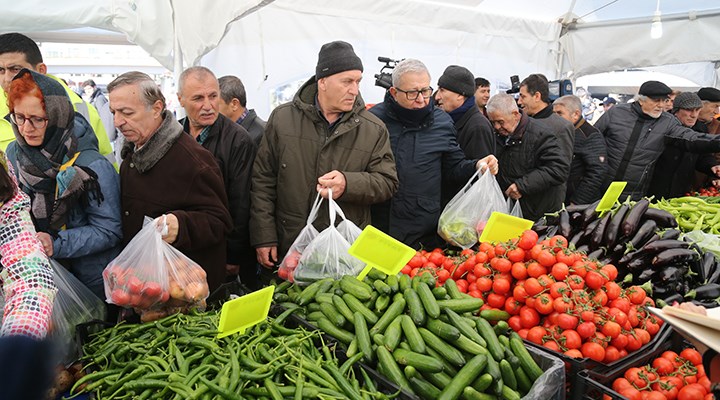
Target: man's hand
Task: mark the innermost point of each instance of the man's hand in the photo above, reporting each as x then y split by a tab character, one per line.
513	192
267	256
47	243
232	269
488	162
334	180
172	227
716	170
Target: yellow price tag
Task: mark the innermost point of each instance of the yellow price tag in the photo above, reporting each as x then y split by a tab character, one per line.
502	227
611	196
380	251
244	312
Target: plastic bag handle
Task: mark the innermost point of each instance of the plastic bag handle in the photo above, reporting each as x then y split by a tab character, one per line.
315	208
470	181
332	207
338	210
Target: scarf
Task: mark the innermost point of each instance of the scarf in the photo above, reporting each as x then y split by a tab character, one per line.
156	147
458	113
407	116
46	172
517	135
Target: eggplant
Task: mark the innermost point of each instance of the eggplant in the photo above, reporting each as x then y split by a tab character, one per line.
576	220
541	230
674	256
564	226
637	263
663	218
706	303
583	248
714	277
612	230
670	300
540	223
575	240
589	214
671	234
633	217
552	231
664	291
587	232
596	254
646	275
706	266
664	244
647	229
710	291
597	235
577	208
670	274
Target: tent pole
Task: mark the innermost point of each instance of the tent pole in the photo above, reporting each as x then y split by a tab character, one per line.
560	49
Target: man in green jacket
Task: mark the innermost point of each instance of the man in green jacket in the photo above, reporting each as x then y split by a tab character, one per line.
323	139
18	51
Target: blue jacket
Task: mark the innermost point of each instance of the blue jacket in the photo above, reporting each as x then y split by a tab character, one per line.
425	154
93	233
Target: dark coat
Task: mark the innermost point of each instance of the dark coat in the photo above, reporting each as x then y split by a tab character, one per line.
235	152
475	135
588	167
532	159
425	154
562	128
298	147
172	173
617	125
254	125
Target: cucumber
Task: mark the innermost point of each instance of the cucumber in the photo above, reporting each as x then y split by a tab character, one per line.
342	308
363	337
424	389
428	300
511	357
443	330
356	305
470	393
382	302
312	307
323	297
382	287
523	382
451	354
280	297
438	379
421	362
508	375
340	334
410	372
360	290
332	314
404	282
465	344
453	290
465	327
493	368
462	305
308	294
504	340
495	315
393	334
509	394
352	348
378	339
447	367
376	274
390	368
428	278
439	292
392	313
392	282
464	377
487	332
315	316
415	307
414	339
501	328
482	382
527	363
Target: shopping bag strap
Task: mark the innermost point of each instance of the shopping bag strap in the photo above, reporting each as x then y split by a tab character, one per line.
315	208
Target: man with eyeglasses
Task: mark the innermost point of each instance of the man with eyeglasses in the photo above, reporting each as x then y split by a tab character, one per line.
637	133
423	140
18	51
323	139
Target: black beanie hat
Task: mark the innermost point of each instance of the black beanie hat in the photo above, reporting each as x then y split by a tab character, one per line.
459	80
335	57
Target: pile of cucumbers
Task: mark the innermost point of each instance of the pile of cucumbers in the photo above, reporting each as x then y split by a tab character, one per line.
431	341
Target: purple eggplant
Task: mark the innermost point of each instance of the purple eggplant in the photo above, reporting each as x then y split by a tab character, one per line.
589	214
663	218
647	229
671	234
664	244
564	226
613	227
674	256
710	291
633	217
599	233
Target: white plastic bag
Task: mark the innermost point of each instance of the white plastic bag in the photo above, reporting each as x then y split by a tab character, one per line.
465	216
290	262
327	255
347	228
514	209
74	304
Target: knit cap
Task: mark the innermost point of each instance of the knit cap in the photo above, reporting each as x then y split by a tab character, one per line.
336	57
459	80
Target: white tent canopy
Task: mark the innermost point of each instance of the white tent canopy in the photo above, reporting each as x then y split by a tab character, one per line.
271	43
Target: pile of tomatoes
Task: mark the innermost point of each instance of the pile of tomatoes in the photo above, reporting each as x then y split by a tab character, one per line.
710	191
670	376
553	296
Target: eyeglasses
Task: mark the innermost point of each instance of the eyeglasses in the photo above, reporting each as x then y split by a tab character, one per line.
412	95
35	121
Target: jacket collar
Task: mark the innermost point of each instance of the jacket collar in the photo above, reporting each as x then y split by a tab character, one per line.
157	146
305	100
544	113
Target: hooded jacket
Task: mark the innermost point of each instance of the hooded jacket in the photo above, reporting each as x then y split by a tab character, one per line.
297	148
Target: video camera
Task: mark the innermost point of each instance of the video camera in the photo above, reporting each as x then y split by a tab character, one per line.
514	85
384	78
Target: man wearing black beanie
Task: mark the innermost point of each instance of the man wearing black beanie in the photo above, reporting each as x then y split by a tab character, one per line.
323	139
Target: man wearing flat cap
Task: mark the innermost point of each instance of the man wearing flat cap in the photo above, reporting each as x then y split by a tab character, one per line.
323	139
456	96
637	133
710	98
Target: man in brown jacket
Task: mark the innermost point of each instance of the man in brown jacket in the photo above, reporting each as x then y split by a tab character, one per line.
166	172
323	139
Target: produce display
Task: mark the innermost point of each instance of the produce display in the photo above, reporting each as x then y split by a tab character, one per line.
710	191
694	213
180	357
425	338
552	296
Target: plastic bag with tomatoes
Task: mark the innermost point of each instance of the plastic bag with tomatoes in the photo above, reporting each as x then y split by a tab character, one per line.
464	217
291	260
327	255
74	304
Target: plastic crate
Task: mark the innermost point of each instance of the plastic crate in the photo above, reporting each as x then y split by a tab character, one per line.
573	366
592	385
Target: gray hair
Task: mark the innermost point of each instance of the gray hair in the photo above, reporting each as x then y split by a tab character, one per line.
502	103
231	87
197	70
405	66
570	102
149	90
641	97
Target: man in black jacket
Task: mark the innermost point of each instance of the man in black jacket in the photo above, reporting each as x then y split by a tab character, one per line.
233	104
234	150
533	168
587	170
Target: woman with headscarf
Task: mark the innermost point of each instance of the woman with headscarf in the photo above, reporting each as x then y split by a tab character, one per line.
74	191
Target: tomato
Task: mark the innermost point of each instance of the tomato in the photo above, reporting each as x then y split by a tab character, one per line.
575	282
611	329
635	294
471	278
574	353
633	343
512	306
528	239
572	339
546	258
496	300
561	305
654	396
536	334
417	261
552	345
557	289
519	271
705	383
621	303
613	290
594	280
443	275
516	255
514	323
481	270
484	284
560	271
642	334
610	272
691	392
567	321
593	351
535	251
134	285
501	264
612	354
651	327
120	297
436	258
529	317
668	386
501	286
532	286
620	384
566	257
544	304
620	342
536	270
691	355
663	366
474	293
152	290
519	293
600	298
558	242
586	329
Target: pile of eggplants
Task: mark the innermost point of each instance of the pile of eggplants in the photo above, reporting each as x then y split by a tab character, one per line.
644	245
